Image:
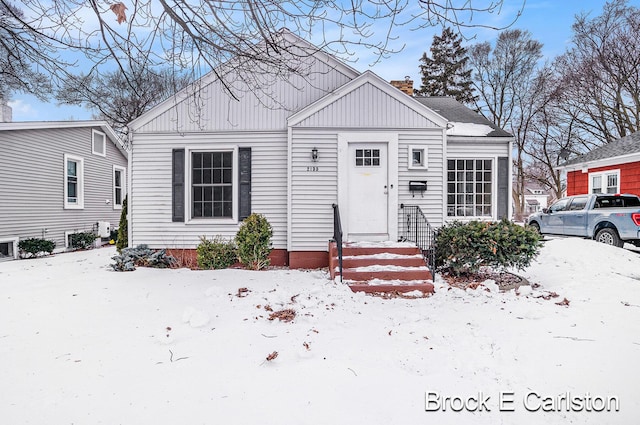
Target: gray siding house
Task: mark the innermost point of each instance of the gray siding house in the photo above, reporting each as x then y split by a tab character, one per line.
59	178
202	161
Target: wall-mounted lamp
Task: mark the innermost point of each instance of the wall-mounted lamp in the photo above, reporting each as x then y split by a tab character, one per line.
314	154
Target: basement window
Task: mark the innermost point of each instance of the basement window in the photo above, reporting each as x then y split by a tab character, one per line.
8	249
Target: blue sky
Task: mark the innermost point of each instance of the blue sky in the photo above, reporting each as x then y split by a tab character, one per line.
549	21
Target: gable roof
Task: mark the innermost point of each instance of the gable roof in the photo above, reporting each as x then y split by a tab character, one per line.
367	77
625	148
287	36
456	112
44	125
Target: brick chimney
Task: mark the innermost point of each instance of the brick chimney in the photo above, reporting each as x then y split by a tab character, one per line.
6	114
405	86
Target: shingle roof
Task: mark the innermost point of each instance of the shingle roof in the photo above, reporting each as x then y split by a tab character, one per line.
455	111
624	146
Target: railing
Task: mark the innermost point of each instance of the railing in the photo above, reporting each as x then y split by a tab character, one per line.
337	235
416	229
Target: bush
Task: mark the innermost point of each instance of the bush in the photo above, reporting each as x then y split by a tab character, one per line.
122	241
141	256
254	242
216	253
33	247
466	247
82	240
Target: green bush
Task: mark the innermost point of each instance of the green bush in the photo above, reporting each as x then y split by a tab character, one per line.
33	247
122	241
254	242
82	240
466	247
216	253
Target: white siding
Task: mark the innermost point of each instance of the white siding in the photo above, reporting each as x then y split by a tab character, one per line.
211	108
32	175
367	106
432	200
150	211
472	148
313	193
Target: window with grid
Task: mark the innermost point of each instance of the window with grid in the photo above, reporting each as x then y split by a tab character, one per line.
73	182
469	187
118	186
367	157
211	184
605	182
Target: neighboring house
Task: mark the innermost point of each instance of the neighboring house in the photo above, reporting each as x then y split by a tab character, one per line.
58	178
611	168
536	198
337	136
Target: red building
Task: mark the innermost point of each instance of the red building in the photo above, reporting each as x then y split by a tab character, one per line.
612	168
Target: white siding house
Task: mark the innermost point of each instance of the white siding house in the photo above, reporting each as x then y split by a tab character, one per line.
58	178
202	161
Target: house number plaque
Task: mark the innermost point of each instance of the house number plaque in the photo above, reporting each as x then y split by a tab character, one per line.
313	168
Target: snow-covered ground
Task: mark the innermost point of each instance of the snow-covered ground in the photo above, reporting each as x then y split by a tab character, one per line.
80	344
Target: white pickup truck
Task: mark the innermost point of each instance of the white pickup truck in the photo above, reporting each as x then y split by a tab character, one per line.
611	219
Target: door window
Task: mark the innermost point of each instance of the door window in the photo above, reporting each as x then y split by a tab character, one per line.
367	157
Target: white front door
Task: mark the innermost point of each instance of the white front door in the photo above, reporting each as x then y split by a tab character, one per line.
368	192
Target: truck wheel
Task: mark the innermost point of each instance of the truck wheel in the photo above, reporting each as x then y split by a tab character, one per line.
610	237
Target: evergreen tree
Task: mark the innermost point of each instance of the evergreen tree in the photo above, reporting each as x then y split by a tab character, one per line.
123	228
446	72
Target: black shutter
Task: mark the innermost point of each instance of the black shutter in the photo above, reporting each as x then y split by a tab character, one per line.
244	187
503	187
177	180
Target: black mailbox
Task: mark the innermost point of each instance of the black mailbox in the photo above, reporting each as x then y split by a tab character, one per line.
417	186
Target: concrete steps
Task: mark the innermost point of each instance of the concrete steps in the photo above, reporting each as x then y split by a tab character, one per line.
381	267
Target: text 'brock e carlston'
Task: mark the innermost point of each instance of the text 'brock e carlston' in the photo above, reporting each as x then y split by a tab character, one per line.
507	401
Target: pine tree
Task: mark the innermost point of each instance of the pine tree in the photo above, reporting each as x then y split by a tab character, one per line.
446	73
123	237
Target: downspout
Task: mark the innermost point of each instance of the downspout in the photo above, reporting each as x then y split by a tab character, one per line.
510	199
129	187
445	157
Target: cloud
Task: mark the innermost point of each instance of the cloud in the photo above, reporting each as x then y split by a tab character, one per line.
22	110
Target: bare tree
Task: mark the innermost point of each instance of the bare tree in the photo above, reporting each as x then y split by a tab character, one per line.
601	74
20	49
508	93
119	100
202	35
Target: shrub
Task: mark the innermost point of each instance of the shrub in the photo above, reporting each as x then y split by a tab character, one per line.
82	240
141	256
465	247
216	253
122	241
254	242
33	247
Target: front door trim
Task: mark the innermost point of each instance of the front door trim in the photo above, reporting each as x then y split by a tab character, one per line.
391	139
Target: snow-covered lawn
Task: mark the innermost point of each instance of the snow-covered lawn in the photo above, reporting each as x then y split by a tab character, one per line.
80	344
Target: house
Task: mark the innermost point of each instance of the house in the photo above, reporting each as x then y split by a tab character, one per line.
337	136
59	178
611	168
536	197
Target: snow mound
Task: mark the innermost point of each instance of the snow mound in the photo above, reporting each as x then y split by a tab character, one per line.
195	318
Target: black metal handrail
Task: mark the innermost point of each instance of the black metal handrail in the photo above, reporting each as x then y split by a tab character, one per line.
416	229
337	235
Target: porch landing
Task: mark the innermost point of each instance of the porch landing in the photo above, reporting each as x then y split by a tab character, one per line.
381	267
